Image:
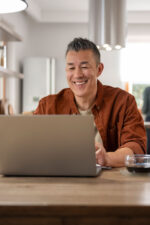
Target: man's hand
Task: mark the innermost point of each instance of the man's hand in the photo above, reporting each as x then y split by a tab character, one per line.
113	159
100	154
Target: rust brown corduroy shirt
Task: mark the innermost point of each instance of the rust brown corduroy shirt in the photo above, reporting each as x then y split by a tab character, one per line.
115	113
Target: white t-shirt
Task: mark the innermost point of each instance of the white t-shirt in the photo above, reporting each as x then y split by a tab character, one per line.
97	134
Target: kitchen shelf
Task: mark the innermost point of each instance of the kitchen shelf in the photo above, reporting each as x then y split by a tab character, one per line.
6	73
7	32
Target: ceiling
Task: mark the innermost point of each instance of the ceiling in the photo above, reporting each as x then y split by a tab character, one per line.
76	11
62	4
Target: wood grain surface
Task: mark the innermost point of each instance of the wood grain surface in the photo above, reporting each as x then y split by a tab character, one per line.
114	197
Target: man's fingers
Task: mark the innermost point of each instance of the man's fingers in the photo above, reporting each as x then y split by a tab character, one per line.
98	152
97	146
100	157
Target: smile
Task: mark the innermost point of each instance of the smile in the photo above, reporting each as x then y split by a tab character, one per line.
80	82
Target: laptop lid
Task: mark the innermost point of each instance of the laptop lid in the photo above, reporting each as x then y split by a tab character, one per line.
47	145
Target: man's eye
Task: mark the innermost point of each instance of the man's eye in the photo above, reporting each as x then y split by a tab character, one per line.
84	67
71	68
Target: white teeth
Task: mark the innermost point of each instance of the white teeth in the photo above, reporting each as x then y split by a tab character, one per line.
79	83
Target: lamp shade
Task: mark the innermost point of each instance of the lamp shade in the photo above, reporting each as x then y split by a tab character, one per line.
108	23
11	6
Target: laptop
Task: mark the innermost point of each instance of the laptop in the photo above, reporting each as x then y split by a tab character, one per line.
47	145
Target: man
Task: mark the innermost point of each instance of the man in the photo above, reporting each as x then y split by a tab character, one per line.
119	129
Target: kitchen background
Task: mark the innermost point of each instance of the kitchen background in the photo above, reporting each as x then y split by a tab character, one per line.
47	26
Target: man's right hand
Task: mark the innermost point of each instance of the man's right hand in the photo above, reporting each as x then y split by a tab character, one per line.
100	154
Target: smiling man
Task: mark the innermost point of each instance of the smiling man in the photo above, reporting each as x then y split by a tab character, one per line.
119	127
82	70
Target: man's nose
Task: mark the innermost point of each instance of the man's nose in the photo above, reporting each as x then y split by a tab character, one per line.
78	72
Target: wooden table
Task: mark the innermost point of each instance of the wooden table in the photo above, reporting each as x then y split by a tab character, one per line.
113	198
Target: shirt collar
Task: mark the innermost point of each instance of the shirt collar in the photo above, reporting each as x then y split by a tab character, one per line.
99	95
73	106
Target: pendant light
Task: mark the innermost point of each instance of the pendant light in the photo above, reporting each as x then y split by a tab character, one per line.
108	23
12	6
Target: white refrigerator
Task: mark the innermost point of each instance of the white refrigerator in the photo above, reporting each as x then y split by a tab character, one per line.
39	81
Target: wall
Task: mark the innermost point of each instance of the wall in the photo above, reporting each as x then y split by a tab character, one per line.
139	32
112	68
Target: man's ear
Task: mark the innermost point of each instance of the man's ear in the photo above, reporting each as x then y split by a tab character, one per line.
100	69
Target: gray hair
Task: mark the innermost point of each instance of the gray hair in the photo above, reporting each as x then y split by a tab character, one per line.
84	44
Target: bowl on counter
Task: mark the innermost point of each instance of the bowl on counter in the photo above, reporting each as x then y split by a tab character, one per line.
138	163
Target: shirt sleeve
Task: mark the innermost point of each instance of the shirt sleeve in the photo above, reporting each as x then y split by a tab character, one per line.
133	133
40	109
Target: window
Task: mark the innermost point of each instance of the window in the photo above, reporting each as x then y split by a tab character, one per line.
136	69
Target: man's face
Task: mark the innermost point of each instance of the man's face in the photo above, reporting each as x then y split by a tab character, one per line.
82	72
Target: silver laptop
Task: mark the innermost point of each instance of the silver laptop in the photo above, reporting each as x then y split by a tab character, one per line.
47	145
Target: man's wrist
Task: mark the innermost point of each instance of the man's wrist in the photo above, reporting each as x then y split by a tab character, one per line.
117	158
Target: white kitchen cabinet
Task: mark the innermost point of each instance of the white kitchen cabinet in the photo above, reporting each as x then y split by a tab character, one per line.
39	80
